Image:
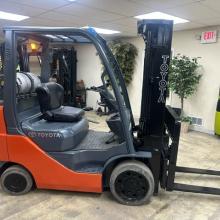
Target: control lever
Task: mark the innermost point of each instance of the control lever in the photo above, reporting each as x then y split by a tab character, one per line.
93	88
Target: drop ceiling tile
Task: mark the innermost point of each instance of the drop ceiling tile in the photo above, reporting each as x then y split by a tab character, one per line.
127	24
187	26
47	22
122	7
212	4
44	4
55	16
194	11
88	13
58	16
19	9
163	4
131	22
116	27
210	22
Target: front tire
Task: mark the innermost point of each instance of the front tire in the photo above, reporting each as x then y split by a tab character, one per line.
132	183
15	180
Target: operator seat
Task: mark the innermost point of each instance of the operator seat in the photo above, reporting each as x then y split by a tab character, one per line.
59	128
50	97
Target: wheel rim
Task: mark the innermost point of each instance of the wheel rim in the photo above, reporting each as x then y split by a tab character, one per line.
131	186
15	183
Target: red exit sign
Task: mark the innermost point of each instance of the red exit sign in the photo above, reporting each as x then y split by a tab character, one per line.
209	37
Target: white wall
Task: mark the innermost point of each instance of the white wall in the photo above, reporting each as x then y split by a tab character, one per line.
202	104
89	70
135	87
34	65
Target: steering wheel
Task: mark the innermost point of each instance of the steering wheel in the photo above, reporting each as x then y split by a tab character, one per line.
106	96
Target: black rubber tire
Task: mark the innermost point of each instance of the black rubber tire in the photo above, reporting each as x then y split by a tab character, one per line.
15	180
144	185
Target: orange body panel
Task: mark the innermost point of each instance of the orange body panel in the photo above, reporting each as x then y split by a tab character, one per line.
47	172
3	143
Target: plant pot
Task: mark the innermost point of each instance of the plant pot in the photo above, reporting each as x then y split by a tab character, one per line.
185	127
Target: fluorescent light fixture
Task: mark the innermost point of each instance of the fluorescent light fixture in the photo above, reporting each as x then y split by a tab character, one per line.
11	16
160	15
103	31
50	36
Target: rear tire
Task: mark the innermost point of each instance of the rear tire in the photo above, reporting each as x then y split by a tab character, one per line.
132	183
15	180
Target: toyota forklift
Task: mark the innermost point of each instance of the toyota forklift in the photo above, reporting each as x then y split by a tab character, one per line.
47	145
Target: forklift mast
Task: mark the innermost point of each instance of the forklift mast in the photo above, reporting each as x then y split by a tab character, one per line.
157	35
159	126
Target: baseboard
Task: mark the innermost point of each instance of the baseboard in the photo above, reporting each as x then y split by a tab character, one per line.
201	129
192	127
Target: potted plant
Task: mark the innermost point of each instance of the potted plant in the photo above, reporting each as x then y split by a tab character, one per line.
185	122
183	81
125	54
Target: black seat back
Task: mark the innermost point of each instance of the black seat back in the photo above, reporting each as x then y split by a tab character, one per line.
50	96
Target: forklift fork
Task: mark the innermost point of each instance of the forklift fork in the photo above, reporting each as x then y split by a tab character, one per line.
173	127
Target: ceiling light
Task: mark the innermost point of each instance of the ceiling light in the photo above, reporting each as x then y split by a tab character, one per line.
160	15
11	16
103	31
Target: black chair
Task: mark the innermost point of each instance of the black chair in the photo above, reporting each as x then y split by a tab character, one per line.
50	97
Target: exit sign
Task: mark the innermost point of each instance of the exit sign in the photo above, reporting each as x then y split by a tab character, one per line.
209	37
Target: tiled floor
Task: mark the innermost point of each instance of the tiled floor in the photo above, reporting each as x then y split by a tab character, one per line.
196	149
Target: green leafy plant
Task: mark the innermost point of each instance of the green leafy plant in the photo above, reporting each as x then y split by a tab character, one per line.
186	119
125	54
184	77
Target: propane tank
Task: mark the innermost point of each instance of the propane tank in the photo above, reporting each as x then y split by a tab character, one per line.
23	83
35	80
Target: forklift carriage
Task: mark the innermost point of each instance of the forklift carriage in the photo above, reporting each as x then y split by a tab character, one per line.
50	146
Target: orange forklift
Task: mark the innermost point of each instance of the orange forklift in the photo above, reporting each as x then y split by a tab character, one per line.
47	145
